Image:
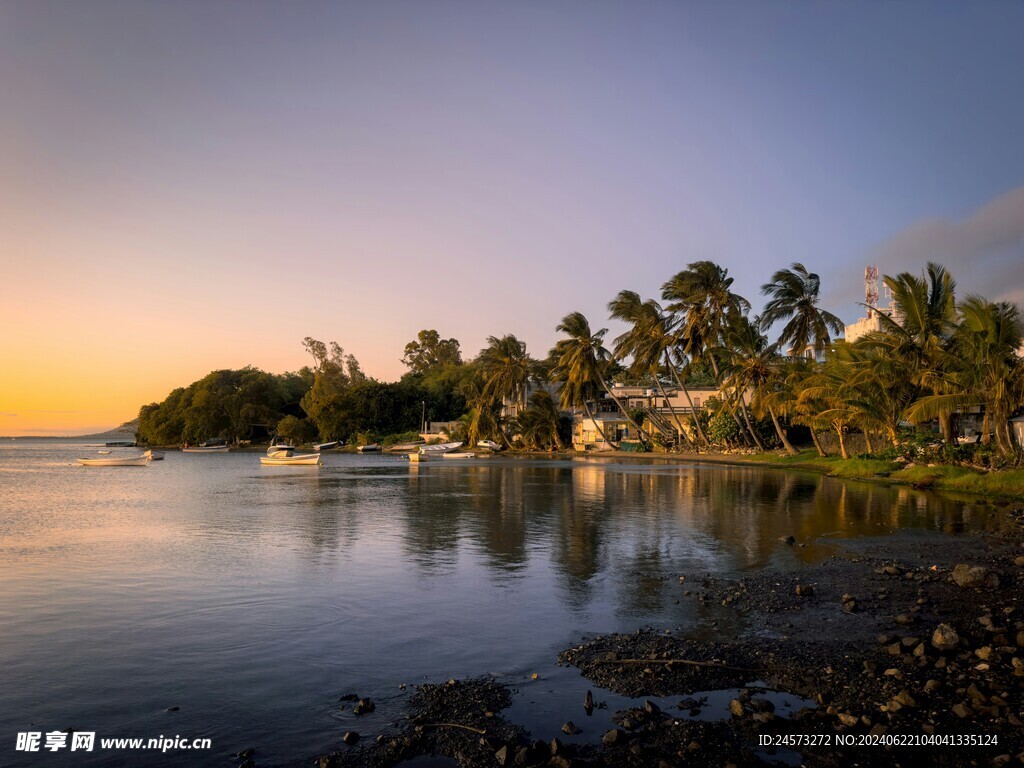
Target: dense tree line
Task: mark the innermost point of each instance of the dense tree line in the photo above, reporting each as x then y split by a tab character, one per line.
331	399
933	356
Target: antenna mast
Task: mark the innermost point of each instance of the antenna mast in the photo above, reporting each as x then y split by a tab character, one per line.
871	289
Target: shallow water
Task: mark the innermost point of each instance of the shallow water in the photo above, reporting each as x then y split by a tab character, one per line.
253	597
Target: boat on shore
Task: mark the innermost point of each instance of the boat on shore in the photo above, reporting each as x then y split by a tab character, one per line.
327	446
406	447
114	461
287	459
371	448
489	444
439	449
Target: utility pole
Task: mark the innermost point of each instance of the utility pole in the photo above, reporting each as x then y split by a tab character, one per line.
423	418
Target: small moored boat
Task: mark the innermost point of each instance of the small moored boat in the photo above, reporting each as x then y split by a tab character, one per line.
326	446
372	447
439	448
287	459
154	455
114	461
457	455
406	447
205	449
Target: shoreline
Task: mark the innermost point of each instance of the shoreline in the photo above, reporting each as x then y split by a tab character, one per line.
1005	485
1001	485
889	647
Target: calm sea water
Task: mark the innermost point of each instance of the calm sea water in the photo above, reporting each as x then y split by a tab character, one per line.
252	597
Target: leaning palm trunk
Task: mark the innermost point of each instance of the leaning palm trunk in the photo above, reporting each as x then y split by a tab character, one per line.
946	426
728	398
639	429
842	440
590	415
817	443
867	441
680	432
750	427
782	433
701	438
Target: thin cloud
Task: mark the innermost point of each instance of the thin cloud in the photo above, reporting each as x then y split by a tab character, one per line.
984	251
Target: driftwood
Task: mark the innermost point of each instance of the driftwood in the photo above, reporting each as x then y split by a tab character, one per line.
480	731
670	662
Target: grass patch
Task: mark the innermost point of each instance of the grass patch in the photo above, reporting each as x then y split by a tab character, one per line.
941	477
850	469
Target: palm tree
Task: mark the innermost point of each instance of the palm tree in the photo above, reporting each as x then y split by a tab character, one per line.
579	363
506	369
918	331
754	366
647	341
879	384
826	391
703	305
794	298
982	368
802	410
538	423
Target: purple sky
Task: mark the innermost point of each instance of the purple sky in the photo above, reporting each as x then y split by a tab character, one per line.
209	182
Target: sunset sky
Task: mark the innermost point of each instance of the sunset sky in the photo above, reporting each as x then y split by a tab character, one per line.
198	185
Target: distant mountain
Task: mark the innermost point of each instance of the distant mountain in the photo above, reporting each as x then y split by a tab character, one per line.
124	432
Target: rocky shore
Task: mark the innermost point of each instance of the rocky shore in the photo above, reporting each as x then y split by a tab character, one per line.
904	649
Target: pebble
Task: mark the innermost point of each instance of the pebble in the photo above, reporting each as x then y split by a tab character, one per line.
612	737
945	638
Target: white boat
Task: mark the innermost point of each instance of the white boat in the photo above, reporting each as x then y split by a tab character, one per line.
114	461
457	455
326	446
280	447
154	455
440	448
279	453
205	449
406	447
489	444
289	459
368	448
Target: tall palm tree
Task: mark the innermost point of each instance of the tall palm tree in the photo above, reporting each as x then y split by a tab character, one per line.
703	305
702	298
983	368
880	384
506	369
918	331
794	298
754	365
803	411
827	392
580	361
538	423
647	341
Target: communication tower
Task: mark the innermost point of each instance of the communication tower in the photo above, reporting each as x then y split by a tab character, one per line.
871	289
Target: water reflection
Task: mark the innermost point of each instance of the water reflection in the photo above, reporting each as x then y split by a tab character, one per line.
126	592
